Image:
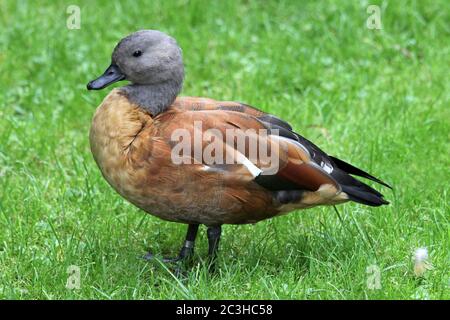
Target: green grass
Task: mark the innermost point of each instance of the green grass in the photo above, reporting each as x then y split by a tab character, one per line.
377	98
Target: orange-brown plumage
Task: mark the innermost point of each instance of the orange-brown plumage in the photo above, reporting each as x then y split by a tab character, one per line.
133	150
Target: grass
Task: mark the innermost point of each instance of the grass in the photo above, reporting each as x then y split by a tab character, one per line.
377	98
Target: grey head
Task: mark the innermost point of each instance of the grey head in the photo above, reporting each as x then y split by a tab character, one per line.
152	61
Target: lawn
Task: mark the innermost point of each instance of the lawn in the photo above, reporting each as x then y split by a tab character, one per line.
376	98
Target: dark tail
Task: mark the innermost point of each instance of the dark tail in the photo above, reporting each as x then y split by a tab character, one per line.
355	189
347	167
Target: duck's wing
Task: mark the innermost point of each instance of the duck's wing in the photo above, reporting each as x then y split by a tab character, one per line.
303	165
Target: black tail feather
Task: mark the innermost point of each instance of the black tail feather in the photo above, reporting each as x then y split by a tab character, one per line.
356	194
356	190
347	167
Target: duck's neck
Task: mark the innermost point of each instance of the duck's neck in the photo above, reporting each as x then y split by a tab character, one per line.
153	98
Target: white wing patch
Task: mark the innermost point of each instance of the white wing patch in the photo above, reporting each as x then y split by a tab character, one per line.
327	167
254	170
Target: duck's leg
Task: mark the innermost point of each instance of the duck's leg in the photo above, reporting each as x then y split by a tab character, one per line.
187	250
213	242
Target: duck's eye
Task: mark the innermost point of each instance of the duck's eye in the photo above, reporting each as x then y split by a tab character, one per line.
137	53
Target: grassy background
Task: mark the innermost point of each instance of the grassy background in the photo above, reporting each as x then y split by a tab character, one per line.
377	98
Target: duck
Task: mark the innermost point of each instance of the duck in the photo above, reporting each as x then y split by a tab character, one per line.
141	140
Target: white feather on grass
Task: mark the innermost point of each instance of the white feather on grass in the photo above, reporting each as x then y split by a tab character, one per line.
421	264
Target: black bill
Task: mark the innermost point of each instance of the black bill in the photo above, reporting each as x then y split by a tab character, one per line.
111	75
